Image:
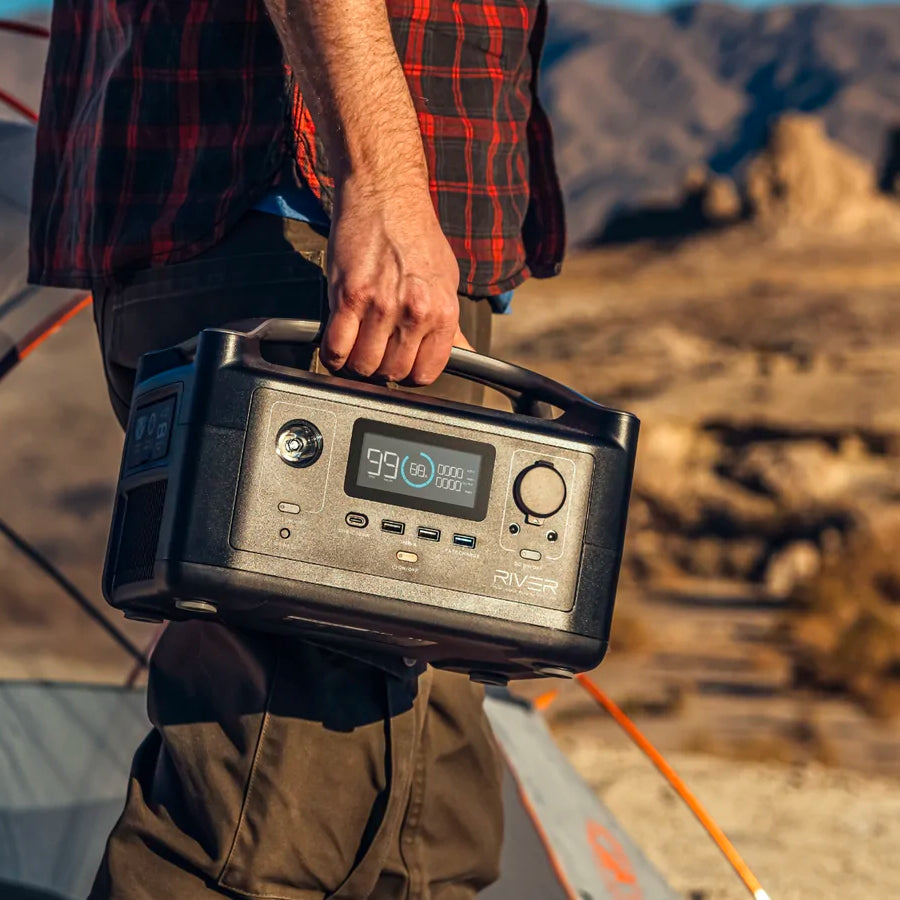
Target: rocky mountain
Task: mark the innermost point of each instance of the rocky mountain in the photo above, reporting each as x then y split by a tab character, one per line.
637	98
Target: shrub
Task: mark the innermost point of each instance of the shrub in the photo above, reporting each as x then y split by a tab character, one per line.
843	625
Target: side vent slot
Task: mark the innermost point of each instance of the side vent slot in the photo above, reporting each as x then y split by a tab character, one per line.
139	532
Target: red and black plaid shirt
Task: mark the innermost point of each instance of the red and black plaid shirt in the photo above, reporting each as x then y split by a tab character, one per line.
162	123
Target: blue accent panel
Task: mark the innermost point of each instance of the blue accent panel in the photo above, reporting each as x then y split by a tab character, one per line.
293	202
502	303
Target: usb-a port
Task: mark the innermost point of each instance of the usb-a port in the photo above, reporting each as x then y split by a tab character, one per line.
392	526
464	540
429	534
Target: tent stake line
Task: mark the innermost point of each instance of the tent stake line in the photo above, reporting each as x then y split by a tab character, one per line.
49	569
696	807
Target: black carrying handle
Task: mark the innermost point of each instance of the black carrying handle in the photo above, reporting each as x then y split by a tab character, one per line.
487	370
531	394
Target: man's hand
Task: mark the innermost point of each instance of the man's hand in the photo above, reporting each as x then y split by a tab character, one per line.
392	286
392	276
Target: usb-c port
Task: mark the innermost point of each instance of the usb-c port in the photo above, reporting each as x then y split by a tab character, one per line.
464	540
392	527
429	534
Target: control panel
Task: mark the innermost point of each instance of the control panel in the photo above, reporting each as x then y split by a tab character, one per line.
325	484
149	433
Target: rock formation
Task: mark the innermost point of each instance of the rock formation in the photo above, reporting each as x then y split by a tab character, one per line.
802	187
804	183
715	199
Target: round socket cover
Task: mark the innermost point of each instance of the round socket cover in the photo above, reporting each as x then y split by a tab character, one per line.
539	490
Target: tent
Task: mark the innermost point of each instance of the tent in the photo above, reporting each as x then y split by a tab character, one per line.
65	749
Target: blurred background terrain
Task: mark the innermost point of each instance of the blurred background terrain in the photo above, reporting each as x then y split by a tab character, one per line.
731	180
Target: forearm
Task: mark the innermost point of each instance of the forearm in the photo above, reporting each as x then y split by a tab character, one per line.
343	57
392	276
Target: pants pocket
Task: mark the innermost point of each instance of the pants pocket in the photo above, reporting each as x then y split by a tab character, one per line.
315	809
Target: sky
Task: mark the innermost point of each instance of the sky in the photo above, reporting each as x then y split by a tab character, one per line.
17	7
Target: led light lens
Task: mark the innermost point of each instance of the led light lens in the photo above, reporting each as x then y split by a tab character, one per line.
299	444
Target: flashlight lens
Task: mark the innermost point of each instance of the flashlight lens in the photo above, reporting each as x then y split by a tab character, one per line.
299	443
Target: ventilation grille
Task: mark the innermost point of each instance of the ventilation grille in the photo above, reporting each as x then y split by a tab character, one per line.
139	533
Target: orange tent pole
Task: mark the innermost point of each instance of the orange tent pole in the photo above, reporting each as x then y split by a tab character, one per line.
79	305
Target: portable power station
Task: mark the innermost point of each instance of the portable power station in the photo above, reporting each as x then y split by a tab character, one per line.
277	499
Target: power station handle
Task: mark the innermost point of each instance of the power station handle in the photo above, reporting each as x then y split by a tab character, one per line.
487	370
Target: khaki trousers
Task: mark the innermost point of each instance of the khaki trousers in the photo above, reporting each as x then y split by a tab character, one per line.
276	767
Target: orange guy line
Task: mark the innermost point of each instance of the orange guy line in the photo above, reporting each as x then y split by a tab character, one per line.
706	820
18	106
77	308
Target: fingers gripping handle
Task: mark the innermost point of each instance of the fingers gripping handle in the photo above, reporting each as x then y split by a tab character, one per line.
531	391
464	363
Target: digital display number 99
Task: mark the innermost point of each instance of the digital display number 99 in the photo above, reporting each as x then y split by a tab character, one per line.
386	464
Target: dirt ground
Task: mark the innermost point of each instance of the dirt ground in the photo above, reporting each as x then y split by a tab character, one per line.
807	832
804	785
754	368
735	352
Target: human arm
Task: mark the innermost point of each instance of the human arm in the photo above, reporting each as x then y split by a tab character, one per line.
392	275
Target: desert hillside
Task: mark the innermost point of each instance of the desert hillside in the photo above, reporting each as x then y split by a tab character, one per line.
759	614
760	590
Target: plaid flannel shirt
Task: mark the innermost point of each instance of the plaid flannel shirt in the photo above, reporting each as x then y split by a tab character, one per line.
163	122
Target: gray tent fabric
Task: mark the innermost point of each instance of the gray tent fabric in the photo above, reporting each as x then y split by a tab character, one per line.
26	311
595	857
65	752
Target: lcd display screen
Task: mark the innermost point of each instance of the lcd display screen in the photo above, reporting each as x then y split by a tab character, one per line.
420	470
